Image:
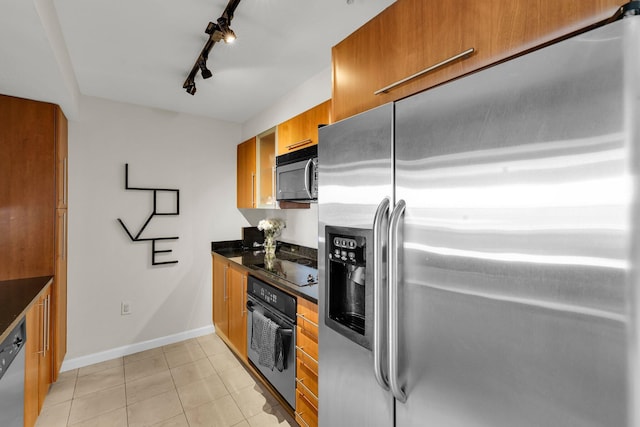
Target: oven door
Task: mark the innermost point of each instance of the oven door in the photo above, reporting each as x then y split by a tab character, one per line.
284	382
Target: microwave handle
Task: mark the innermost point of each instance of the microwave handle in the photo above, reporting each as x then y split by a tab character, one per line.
307	177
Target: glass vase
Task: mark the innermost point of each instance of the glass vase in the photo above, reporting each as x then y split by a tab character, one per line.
269	251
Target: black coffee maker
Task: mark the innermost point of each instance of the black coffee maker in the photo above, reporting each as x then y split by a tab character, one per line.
349	284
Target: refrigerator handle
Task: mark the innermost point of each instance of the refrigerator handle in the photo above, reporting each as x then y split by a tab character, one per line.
379	223
394	245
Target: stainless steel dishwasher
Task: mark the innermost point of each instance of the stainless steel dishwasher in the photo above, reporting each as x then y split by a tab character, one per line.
12	377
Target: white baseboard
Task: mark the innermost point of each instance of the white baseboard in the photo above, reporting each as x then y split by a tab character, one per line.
79	362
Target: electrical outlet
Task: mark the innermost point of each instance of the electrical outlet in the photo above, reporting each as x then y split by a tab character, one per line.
125	308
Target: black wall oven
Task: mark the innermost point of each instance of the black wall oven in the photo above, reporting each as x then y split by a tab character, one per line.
265	301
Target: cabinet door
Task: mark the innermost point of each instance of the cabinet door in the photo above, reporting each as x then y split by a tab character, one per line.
27	190
62	160
266	170
246	174
238	310
413	35
220	296
32	361
59	295
301	131
45	363
37	374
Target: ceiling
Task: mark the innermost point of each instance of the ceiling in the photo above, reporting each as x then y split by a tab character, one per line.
141	51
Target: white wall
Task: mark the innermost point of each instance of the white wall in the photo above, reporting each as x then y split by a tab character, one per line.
163	149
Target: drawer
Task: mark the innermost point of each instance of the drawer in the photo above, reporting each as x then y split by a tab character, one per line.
307	360
307	343
308	318
306	413
306	378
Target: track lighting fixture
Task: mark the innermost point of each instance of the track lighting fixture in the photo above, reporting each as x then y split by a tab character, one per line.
204	71
217	31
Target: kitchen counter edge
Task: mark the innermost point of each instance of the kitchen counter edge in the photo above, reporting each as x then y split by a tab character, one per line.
247	260
16	297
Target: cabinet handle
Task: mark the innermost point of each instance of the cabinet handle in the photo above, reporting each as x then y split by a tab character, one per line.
303	317
299	414
47	319
64	181
299	144
64	235
301	382
273	185
42	325
253	190
226	267
243	310
447	61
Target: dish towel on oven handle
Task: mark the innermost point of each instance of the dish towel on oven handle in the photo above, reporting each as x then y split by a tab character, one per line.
266	339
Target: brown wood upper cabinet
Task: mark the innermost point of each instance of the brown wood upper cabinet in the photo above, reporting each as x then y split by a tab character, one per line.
246	174
301	131
411	36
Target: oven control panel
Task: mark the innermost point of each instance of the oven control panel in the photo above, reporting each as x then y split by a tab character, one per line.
274	298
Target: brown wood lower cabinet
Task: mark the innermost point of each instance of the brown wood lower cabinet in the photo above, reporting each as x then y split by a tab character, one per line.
38	357
229	304
307	364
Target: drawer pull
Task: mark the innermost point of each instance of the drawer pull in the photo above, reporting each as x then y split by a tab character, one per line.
305	320
299	414
301	382
299	144
461	55
306	354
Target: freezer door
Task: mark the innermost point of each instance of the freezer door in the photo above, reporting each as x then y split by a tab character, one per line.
516	245
355	174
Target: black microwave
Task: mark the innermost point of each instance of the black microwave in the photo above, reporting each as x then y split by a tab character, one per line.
297	175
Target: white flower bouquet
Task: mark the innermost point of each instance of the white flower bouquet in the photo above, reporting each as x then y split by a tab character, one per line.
271	226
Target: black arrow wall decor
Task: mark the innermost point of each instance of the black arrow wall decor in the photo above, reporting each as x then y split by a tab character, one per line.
154	213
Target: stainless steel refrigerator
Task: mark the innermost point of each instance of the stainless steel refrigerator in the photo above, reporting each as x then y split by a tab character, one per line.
478	247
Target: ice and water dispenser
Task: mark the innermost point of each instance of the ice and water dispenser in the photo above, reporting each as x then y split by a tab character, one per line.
349	308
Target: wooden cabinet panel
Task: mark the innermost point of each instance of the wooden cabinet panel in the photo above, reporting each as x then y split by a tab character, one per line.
266	169
38	362
246	174
62	161
59	294
229	304
301	131
220	296
412	35
34	198
27	193
307	363
238	310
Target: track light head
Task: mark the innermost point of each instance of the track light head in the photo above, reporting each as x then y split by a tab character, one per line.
204	71
227	33
191	88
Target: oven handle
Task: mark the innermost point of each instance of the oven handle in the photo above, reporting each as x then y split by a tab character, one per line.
284	331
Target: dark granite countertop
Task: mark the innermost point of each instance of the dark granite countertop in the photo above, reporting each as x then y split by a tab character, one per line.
16	296
249	258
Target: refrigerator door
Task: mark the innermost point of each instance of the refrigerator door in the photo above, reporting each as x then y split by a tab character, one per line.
517	247
355	175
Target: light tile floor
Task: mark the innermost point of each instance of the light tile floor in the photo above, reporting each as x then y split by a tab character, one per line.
192	383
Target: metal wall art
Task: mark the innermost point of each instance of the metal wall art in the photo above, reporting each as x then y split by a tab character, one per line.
155	212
